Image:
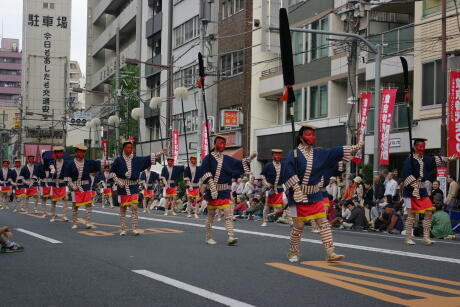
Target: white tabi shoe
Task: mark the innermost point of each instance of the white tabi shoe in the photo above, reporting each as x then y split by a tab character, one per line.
211	242
74	226
135	232
189	215
232	241
293	257
89	226
65	219
427	242
196	216
123	233
174	213
332	256
264	224
52	220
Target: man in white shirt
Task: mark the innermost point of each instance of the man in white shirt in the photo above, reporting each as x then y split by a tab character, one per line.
332	188
390	185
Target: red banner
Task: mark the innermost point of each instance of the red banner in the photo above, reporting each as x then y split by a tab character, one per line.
105	149
385	119
454	114
204	139
365	106
175	145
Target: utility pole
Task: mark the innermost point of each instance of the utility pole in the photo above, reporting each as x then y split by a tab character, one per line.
443	79
351	94
52	127
117	86
170	72
201	118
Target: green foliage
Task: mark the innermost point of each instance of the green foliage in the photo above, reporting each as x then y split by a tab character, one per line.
367	172
129	84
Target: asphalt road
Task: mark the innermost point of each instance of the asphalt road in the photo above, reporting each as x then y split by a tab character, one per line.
170	265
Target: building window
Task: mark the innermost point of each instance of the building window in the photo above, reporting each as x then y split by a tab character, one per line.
297	47
231	7
186	31
319	43
3	118
231	64
73	66
186	77
191	122
431	83
318	101
52	6
10	72
45	5
431	7
297	107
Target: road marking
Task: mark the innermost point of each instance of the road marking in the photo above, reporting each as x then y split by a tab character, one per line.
33	234
397	285
345	245
192	289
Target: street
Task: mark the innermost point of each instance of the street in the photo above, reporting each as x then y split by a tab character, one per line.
170	265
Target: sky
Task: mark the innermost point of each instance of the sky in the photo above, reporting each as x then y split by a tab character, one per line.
11	22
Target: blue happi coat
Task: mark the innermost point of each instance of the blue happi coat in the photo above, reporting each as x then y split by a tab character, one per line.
271	176
192	179
58	178
221	169
415	171
30	178
126	172
148	182
311	166
172	178
9	179
81	180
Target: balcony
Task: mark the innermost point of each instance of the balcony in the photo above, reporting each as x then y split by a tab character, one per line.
125	22
151	70
106	72
10	78
10	90
153	25
107	7
397	41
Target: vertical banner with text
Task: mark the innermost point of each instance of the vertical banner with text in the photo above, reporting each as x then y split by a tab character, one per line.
365	106
175	145
204	139
441	176
385	119
454	114
105	149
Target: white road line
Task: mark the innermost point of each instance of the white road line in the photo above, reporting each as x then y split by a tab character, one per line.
345	245
192	289
33	234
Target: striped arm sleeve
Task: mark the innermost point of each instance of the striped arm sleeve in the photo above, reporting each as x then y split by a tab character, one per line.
409	180
246	165
291	182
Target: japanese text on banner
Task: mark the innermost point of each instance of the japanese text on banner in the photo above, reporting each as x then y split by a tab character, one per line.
365	106
454	114
385	119
175	145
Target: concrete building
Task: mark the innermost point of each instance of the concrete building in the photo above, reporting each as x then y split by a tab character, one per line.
76	134
321	71
45	62
186	43
10	93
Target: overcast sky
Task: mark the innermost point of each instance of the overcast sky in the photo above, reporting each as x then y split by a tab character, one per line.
11	19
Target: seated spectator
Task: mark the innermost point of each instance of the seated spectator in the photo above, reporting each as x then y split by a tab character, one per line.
341	213
8	246
436	190
255	208
390	221
332	189
377	211
357	219
240	206
379	189
441	227
350	190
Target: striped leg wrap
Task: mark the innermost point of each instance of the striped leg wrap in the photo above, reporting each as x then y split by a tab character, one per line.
228	221
110	201
25	205
326	234
89	212
134	218
74	214
409	226
296	236
144	203
189	205
36	203
123	218
53	209
426	227
44	205
209	220
266	212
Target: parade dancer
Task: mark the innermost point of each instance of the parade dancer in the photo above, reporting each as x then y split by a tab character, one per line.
217	172
44	187
106	191
126	171
77	174
192	178
94	183
147	181
58	183
303	176
7	178
170	175
272	176
19	189
29	174
415	169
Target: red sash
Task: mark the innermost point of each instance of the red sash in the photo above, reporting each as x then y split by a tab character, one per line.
107	191
219	203
46	192
148	193
32	191
195	193
83	198
171	192
6	189
58	193
93	194
127	200
20	192
276	200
